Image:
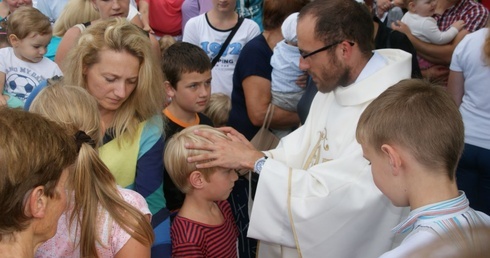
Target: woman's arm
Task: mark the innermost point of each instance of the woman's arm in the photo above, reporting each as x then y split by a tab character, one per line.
155	47
68	41
3	99
257	92
133	248
143	8
455	86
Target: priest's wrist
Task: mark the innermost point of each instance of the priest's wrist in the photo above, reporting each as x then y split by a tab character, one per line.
259	164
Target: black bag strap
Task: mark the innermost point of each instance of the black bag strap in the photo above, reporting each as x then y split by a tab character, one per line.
227	41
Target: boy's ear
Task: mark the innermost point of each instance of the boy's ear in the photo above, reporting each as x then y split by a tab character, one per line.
196	179
36	203
393	156
169	89
13	40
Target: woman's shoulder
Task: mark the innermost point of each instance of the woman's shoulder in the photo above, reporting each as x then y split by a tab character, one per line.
152	126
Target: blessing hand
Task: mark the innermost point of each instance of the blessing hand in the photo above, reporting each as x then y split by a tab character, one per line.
234	153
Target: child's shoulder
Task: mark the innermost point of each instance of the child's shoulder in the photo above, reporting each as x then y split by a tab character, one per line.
6	51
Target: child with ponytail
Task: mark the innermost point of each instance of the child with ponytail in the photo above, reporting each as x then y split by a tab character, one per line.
102	219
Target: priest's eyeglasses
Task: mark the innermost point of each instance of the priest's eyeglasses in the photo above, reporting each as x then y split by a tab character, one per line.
323	49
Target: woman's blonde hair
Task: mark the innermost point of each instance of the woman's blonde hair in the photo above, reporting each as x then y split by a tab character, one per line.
74	12
92	182
117	34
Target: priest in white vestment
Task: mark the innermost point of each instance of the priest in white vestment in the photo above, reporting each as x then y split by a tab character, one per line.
316	196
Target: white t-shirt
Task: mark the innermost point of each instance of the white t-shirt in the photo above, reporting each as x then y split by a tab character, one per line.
475	108
22	77
200	32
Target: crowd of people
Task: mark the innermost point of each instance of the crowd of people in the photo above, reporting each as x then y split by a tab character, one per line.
127	128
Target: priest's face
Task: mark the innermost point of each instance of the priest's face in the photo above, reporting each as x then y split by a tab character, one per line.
322	62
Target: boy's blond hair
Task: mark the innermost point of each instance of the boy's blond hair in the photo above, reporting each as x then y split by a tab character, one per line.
420	117
218	109
175	157
25	20
165	42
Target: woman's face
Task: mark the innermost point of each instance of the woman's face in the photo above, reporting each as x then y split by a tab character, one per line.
111	8
14	4
113	79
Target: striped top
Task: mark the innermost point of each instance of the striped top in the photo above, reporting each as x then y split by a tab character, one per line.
452	217
194	239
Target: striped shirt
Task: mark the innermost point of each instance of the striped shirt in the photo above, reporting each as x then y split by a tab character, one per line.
194	239
429	222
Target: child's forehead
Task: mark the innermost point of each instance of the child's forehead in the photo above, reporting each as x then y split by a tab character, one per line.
194	76
37	37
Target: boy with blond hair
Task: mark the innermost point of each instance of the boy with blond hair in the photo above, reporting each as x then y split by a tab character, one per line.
218	109
204	226
412	135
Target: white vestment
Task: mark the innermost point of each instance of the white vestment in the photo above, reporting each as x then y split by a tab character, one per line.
317	184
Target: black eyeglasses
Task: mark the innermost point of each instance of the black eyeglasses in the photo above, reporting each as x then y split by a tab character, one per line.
323	49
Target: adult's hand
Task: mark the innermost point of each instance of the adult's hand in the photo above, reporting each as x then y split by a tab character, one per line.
234	153
384	5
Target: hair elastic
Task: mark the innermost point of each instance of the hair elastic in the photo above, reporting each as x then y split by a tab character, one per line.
81	137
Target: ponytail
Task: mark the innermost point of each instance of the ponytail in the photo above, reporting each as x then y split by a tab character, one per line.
94	185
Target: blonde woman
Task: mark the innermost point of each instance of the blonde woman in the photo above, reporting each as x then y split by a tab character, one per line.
102	219
114	63
103	9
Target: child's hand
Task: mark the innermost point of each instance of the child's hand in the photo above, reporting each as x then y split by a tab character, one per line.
3	100
458	24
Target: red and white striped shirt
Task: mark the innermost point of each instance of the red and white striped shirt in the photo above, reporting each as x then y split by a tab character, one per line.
194	239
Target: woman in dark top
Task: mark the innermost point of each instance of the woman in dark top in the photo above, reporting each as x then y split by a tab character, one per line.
252	77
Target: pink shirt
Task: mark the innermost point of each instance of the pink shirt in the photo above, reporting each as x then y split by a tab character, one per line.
113	237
